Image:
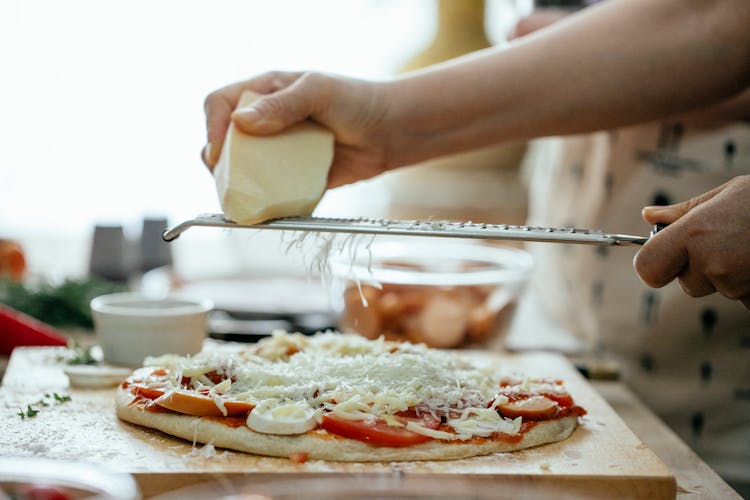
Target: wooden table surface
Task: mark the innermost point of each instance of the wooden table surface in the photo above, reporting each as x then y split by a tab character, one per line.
694	478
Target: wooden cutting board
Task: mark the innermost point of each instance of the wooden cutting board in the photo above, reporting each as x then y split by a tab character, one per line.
602	458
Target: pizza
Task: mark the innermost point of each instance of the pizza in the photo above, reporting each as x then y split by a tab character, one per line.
342	397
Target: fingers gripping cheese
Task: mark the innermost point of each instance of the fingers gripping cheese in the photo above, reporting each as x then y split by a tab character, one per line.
265	177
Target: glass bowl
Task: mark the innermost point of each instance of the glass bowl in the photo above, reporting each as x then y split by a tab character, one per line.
441	292
41	478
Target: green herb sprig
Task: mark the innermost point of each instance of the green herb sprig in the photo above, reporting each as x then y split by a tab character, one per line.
47	400
30	412
81	355
61	399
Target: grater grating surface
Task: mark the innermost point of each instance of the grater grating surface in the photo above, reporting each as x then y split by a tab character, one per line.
448	229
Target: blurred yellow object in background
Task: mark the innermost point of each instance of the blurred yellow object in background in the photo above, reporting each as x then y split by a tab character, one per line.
481	185
460	30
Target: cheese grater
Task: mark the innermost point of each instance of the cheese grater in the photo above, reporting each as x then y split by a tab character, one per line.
418	228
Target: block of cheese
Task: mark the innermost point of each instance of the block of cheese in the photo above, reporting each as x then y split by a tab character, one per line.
266	177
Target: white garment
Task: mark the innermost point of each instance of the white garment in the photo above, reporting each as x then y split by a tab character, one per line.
687	358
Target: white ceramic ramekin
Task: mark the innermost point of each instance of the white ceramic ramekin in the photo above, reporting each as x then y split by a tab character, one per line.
131	326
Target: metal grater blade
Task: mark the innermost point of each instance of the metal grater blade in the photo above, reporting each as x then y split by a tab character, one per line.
417	228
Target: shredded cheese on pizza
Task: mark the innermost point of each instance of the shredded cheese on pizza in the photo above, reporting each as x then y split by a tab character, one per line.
298	379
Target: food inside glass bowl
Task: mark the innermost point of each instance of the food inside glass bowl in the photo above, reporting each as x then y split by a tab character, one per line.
444	294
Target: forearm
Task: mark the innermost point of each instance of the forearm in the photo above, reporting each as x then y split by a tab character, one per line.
576	76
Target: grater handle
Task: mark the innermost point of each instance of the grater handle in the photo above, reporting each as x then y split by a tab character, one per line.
657	228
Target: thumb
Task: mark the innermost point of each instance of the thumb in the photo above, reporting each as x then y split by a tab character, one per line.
670	213
273	113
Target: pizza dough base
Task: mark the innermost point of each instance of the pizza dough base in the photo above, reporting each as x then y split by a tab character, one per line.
319	444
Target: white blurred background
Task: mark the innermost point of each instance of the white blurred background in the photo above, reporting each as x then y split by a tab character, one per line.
101	117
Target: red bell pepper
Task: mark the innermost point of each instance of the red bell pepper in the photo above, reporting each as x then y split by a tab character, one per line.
19	329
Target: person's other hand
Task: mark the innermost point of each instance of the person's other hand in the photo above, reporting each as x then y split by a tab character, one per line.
706	245
352	109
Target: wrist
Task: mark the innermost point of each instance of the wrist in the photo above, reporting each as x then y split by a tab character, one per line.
413	126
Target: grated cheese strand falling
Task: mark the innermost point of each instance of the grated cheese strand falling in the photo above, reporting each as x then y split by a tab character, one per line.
326	245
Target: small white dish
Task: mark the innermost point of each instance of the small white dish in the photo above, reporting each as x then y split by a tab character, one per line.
132	326
96	376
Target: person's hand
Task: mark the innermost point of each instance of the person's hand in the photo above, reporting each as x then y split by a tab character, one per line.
352	109
706	245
